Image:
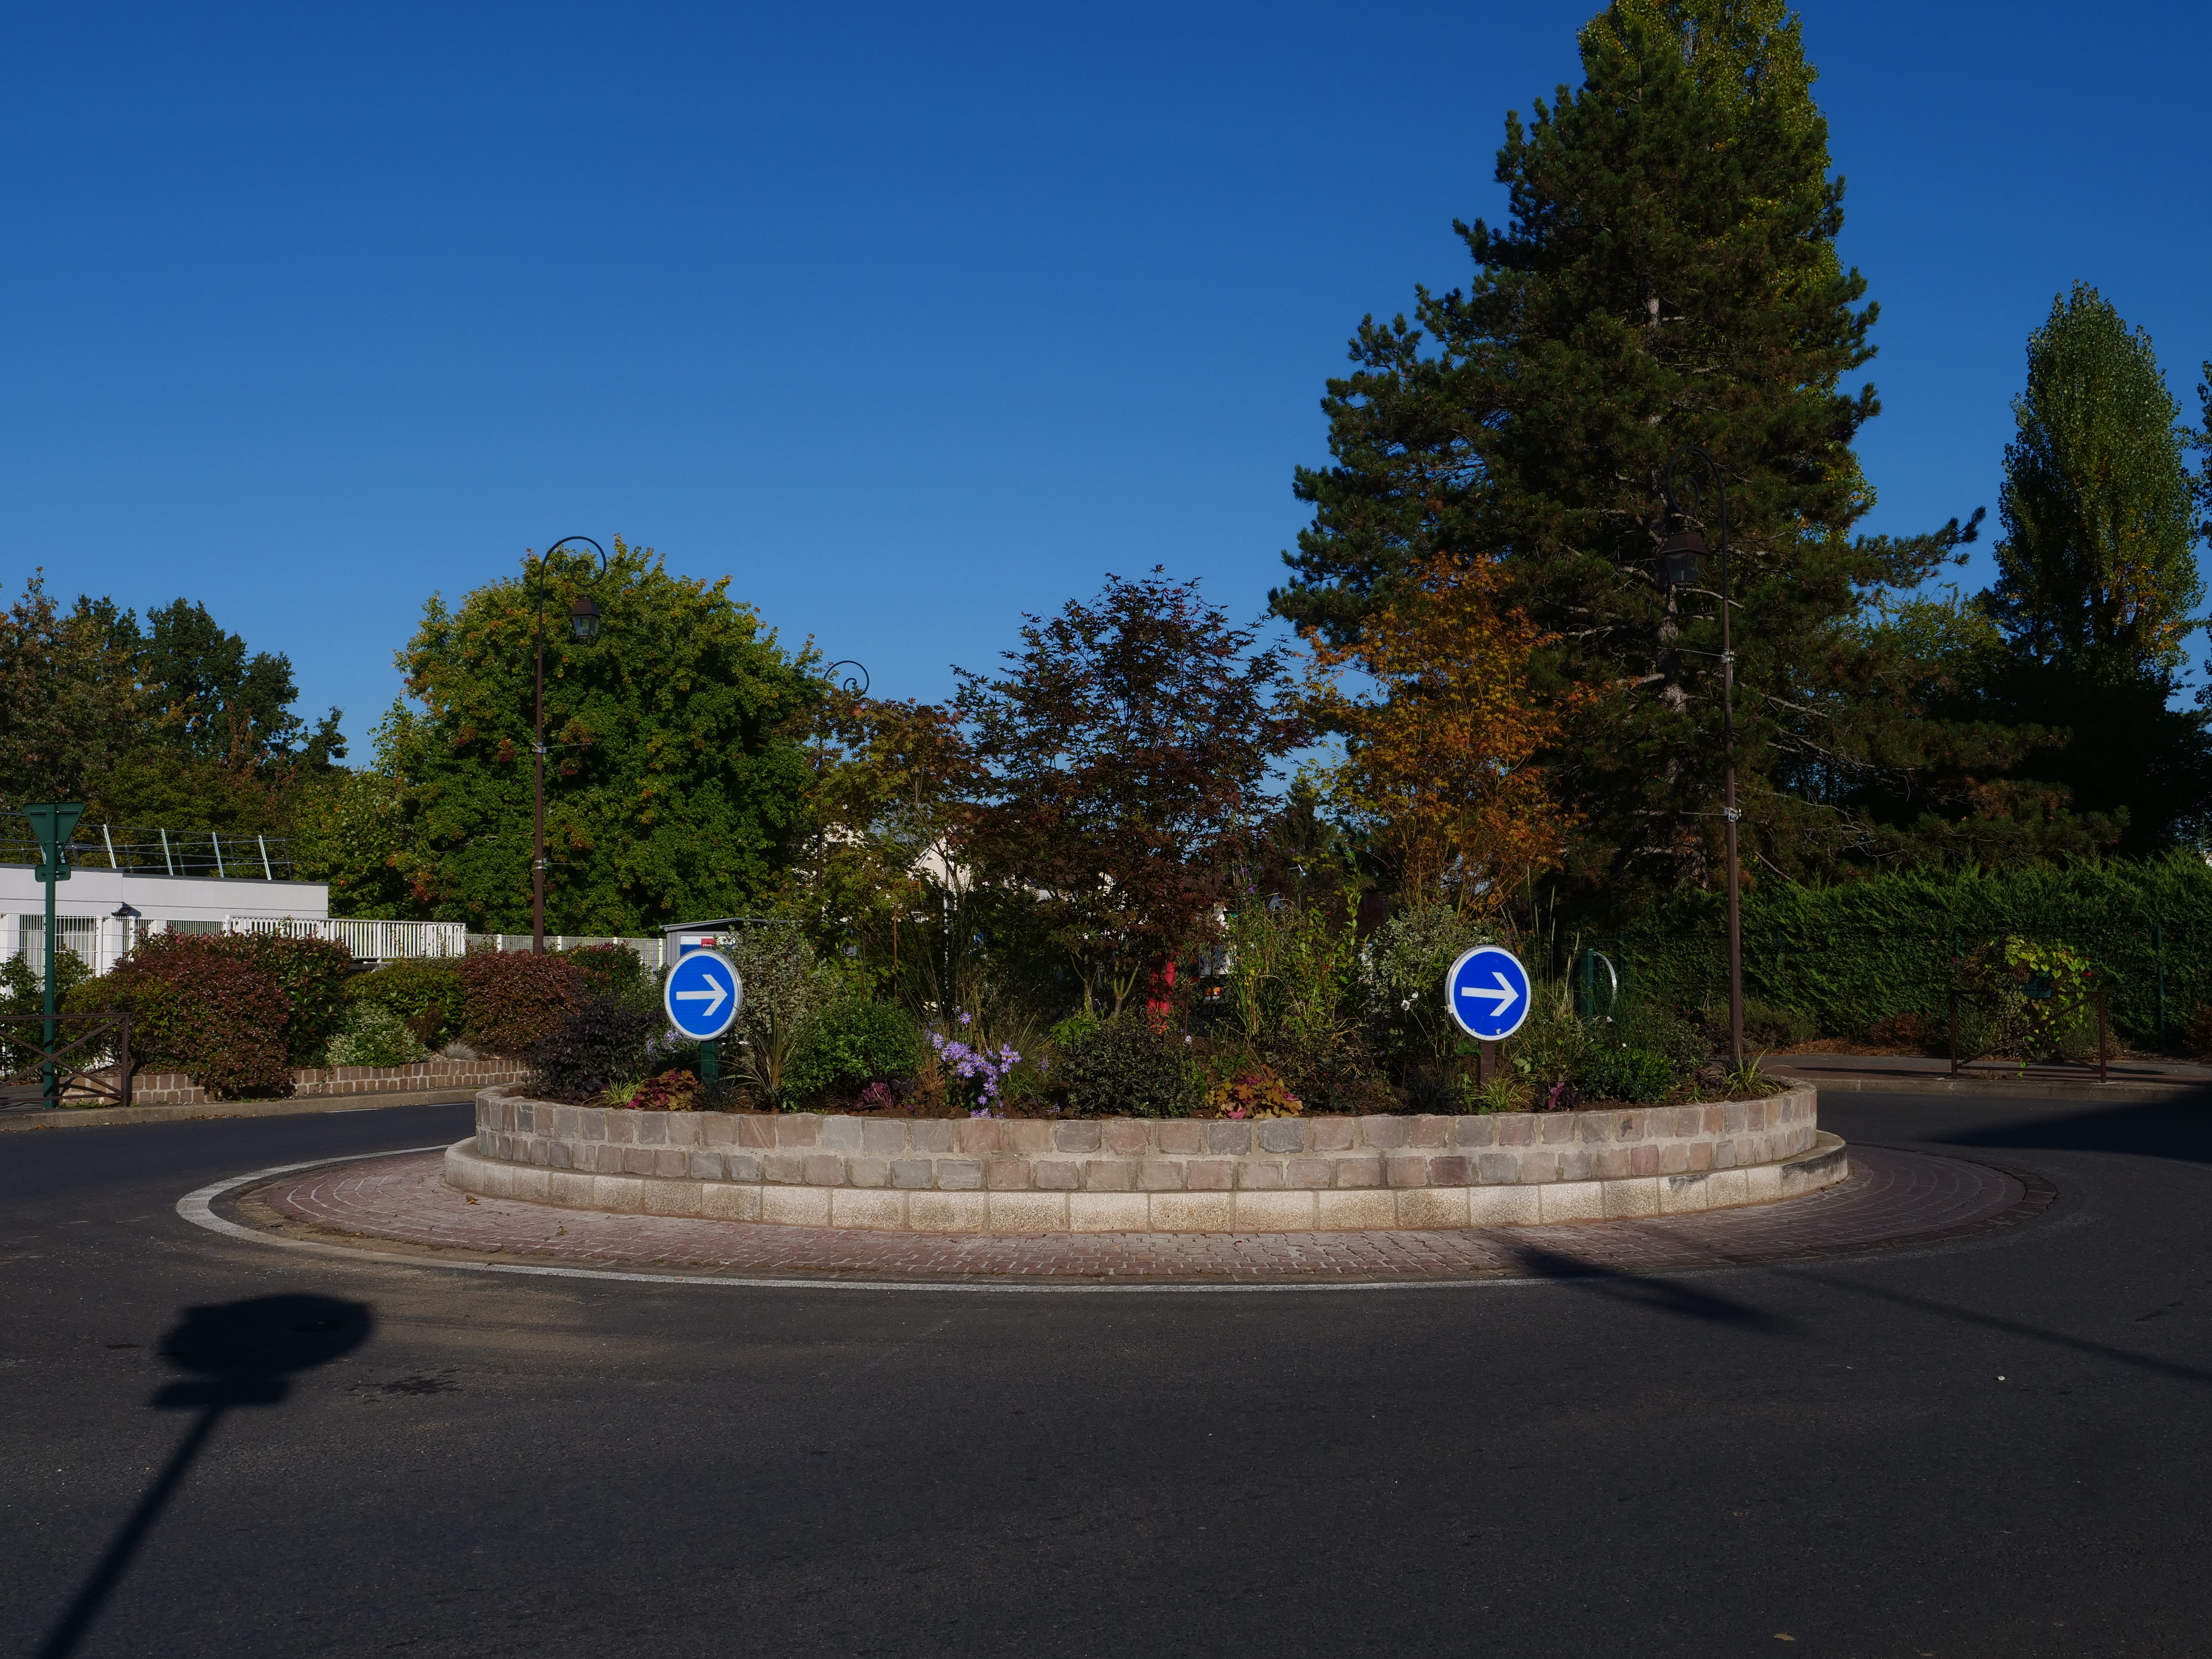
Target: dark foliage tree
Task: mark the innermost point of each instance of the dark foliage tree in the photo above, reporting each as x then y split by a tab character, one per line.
177	725
1669	278
210	698
1125	758
69	703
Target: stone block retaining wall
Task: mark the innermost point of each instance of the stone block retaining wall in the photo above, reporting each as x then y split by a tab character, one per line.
1130	1175
176	1089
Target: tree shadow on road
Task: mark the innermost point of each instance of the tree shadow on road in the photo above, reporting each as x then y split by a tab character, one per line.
2159	1129
1665	1294
240	1353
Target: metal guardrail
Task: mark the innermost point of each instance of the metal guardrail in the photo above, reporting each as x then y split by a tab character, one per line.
226	855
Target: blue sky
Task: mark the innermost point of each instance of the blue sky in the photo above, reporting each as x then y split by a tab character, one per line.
907	318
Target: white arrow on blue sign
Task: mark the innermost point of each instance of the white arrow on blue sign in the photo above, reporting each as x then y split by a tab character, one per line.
1488	992
702	995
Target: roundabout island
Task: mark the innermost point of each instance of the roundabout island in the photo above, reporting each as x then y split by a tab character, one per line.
1124	1203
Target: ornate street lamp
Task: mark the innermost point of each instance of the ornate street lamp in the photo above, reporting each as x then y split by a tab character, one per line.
584	623
1682	561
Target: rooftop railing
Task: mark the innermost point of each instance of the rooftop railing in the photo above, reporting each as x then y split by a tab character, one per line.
224	855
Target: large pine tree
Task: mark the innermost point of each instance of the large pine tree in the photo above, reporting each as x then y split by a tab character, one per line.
1669	276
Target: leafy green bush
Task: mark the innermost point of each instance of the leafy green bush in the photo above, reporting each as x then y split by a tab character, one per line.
2030	1001
1550	1045
855	1042
1403	964
1617	1073
1765	1026
615	970
22	991
511	1000
1295	999
1127	1067
424	996
373	1035
1640	1022
786	990
311	973
600	1041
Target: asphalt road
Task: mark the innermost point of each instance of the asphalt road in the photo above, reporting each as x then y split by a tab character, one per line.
1996	1447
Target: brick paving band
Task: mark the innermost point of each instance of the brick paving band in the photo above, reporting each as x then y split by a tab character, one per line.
1891	1198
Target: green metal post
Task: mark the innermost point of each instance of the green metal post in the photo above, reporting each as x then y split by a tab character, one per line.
710	1059
53	823
49	1078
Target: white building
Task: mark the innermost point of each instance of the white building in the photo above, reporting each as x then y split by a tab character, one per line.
126	884
101	913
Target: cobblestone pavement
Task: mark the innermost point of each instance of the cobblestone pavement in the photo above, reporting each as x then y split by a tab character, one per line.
1891	1198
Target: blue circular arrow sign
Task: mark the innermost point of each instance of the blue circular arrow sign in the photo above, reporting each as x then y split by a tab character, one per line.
702	995
1488	992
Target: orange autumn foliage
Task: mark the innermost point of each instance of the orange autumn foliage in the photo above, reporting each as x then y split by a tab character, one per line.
1440	757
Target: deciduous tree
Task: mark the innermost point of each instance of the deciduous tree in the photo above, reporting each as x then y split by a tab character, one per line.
1441	756
1124	754
677	763
2098	563
2098	585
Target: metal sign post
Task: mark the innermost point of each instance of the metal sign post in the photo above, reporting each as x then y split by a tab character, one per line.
1487	995
701	998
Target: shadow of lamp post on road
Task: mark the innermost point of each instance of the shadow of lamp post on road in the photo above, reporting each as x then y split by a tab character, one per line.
241	1353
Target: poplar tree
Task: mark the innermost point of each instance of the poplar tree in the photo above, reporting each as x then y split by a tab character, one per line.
1668	277
2097	564
2097	579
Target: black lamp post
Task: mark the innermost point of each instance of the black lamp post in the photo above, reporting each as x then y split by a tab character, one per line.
584	623
1682	559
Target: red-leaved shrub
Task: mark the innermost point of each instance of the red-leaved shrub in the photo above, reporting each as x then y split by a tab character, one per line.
201	1008
511	1000
311	972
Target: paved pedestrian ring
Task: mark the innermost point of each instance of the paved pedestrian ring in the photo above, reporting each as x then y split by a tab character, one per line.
407	1205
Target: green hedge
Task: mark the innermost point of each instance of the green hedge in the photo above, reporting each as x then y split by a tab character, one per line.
1847	955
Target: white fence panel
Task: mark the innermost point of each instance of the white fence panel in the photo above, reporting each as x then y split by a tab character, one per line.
402	941
369	941
648	950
